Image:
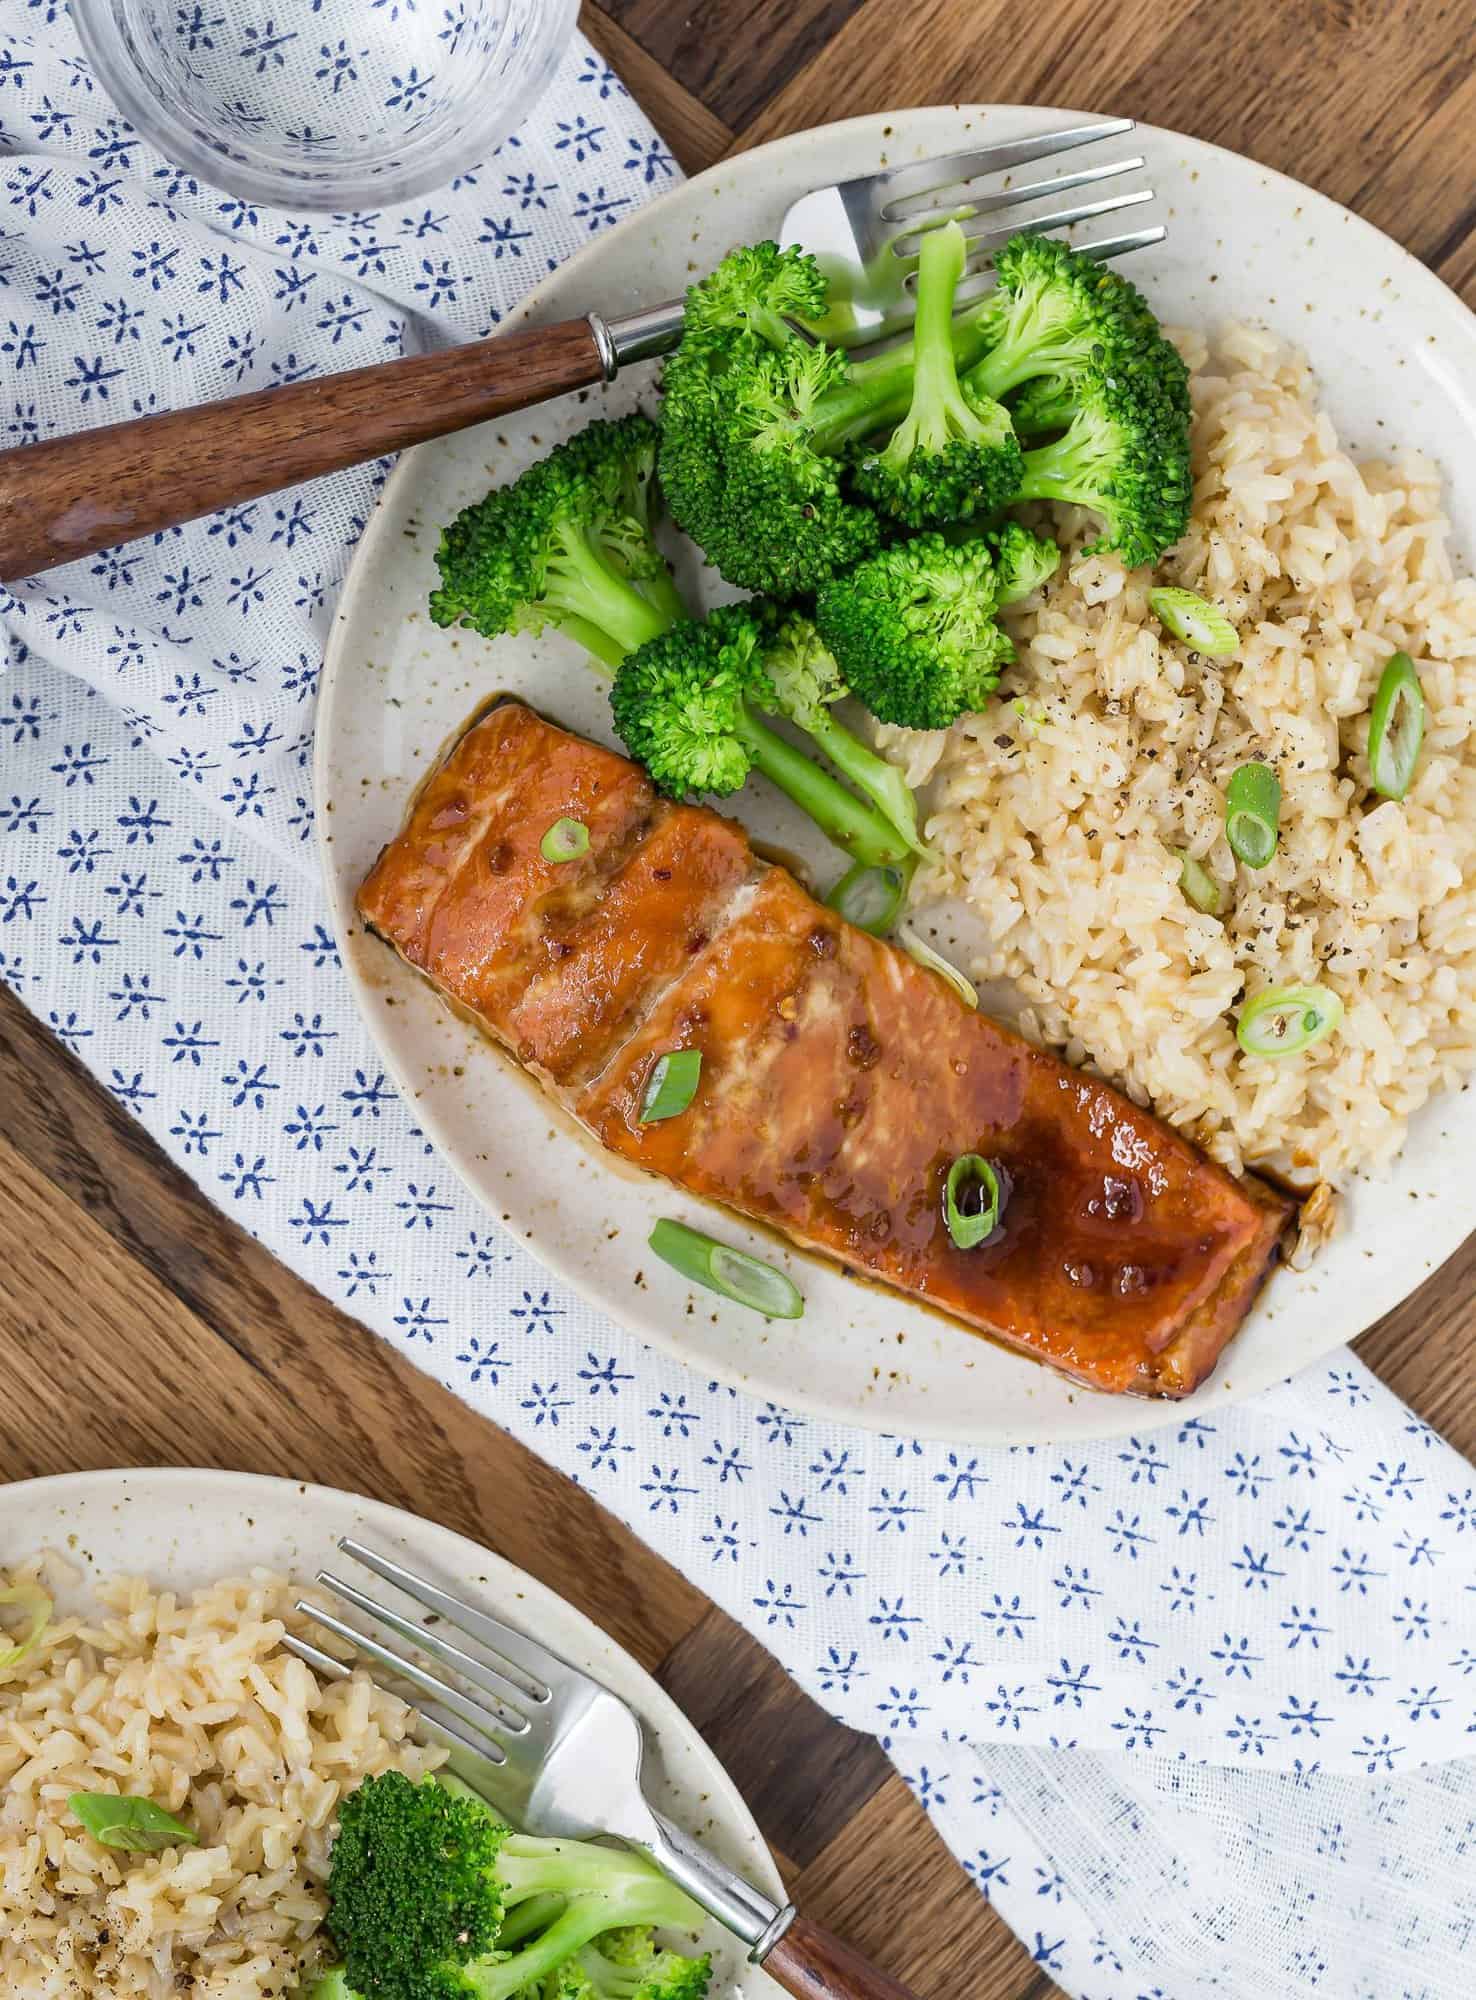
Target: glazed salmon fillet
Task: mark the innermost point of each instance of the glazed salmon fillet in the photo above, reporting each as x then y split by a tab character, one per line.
839	1078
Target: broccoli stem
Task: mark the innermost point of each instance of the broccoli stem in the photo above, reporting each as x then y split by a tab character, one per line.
879	390
597	605
882	782
661	591
856	828
1068	470
940	263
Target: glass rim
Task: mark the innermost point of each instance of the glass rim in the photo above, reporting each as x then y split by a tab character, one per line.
419	167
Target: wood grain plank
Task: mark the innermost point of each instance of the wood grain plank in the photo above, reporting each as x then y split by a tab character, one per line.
1329	102
695	135
761	1722
887	1876
345	1408
732	54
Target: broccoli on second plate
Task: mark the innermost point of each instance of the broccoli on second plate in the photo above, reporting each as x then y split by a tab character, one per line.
689	705
432	1897
914	629
954	454
568	544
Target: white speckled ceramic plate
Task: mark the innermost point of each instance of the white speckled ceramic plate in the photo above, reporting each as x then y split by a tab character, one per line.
1396	353
183	1528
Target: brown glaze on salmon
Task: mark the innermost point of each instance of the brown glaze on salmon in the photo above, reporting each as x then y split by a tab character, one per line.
839	1078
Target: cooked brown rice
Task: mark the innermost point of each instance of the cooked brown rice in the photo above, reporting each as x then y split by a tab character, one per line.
1058	813
190	1702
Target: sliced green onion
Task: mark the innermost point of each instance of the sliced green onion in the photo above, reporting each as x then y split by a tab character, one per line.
918	947
1396	728
1195	620
1285	1020
137	1826
32	1602
1252	808
565	840
974	1198
870	897
671	1085
1201	888
747	1281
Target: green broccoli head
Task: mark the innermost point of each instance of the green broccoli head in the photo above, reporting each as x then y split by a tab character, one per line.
680	703
1022	562
413	1891
690	706
802	670
629	1965
1058	312
756	290
740	468
1124	455
954	454
432	1897
914	630
568	544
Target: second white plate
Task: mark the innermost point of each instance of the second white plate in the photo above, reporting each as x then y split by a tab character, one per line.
182	1528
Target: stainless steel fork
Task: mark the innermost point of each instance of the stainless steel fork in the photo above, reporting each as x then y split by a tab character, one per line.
69	496
561	1755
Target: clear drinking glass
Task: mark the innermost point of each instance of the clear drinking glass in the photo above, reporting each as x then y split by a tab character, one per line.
340	104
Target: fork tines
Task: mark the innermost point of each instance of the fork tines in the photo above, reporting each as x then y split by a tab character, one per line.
498	1691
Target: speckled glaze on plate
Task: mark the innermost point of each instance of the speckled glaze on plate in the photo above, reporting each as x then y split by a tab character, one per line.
181	1528
1396	354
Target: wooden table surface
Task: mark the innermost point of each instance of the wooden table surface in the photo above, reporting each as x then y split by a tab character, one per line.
140	1326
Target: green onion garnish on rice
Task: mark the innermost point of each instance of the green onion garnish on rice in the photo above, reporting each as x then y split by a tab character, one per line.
747	1281
1252	809
1199	886
136	1826
565	840
974	1198
1286	1020
671	1085
1194	620
1396	728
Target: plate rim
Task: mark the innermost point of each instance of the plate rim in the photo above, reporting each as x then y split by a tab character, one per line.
1113	1416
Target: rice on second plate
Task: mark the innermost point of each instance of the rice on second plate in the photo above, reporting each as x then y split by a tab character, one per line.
1058	812
191	1703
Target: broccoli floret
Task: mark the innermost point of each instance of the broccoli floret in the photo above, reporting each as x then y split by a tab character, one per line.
567	544
629	1965
426	1883
744	469
954	453
1059	313
757	290
689	705
914	630
1124	455
1046	404
807	682
1022	562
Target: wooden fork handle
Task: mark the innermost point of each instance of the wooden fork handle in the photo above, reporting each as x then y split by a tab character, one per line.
70	496
813	1964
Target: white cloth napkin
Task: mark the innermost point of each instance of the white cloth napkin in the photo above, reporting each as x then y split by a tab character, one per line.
1188	1707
